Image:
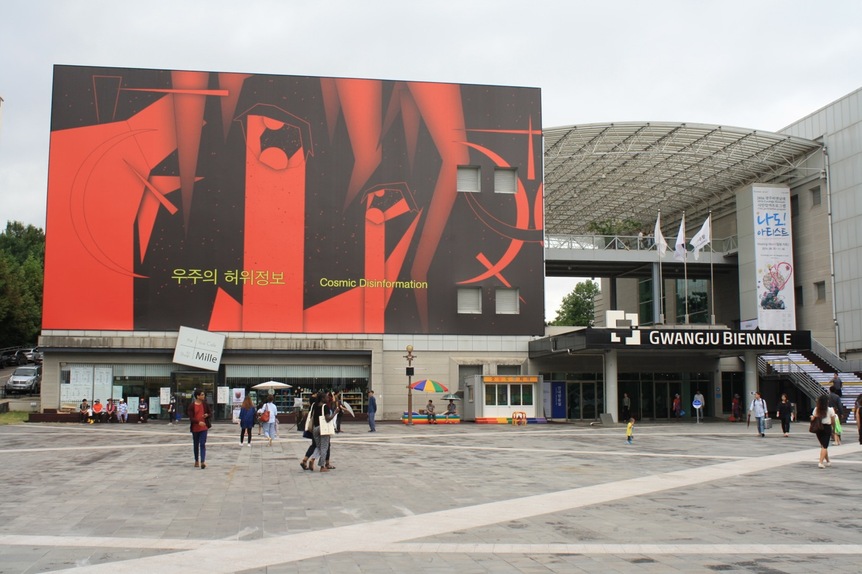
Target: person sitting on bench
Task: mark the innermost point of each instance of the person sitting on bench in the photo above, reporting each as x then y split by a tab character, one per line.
429	413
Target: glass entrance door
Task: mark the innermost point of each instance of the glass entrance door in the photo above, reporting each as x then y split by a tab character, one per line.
584	400
185	383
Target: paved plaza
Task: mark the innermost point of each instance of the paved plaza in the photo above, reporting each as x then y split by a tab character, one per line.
464	498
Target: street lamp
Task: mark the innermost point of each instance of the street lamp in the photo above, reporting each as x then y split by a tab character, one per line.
409	356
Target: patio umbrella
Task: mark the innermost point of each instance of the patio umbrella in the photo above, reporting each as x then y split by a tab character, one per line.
429	386
451	396
272	385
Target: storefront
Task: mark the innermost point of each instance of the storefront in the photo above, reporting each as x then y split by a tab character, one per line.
157	382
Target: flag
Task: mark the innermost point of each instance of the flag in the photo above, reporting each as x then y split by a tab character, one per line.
679	248
660	243
702	237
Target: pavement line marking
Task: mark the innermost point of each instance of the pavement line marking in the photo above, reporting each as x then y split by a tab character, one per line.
222	556
643	549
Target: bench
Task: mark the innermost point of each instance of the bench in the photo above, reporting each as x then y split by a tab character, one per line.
421	418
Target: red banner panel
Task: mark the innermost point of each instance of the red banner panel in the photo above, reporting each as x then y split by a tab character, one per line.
260	203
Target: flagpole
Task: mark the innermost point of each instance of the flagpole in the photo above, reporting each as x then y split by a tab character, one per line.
685	267
660	280
711	271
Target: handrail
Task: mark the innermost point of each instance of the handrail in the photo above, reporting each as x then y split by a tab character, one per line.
799	376
843	365
630	243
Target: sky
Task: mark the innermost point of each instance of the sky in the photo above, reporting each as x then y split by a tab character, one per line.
760	64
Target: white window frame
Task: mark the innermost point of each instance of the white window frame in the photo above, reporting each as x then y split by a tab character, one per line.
469	300
469	179
507	301
505	180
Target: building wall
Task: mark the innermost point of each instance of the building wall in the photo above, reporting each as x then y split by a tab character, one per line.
839	126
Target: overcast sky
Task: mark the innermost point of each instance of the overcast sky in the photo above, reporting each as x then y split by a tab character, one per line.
746	63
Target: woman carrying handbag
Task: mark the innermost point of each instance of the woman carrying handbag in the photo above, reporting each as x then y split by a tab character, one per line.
322	429
825	416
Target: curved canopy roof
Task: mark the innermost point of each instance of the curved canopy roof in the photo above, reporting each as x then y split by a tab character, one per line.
620	171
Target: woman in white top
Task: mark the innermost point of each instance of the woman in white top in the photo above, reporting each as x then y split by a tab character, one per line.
269	425
826	414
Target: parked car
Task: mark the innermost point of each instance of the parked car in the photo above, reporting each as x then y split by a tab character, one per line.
13	358
26	379
32	354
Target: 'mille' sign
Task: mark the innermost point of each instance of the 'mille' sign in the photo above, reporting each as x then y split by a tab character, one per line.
197	348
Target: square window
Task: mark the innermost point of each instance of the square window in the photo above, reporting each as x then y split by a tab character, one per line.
507	301
470	300
815	196
468	179
505	180
820	287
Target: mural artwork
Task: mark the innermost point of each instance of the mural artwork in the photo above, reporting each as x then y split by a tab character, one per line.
259	203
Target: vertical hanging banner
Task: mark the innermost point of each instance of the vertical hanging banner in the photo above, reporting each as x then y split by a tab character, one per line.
773	251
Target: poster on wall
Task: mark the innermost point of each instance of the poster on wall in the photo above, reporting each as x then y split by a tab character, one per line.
773	256
238	202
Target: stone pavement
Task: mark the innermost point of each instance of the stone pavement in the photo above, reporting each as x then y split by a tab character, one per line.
461	498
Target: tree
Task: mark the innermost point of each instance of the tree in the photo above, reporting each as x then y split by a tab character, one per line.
578	307
22	264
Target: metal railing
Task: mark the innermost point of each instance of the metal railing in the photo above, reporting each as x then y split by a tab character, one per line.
630	243
796	373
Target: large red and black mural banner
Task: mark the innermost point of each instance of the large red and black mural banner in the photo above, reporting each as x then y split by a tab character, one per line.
261	203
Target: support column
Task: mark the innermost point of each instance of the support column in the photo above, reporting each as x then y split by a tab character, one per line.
657	318
611	385
750	379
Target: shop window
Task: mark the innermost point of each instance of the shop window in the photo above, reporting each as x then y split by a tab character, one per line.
508	301
496	395
468	179
521	395
470	300
505	180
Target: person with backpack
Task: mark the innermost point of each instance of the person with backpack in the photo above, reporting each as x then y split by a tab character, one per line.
758	407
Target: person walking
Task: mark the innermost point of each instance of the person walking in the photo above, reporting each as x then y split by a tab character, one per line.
857	408
172	410
784	414
143	410
305	463
630	429
834	401
372	411
200	421
826	415
321	440
247	414
677	406
838	384
758	407
267	413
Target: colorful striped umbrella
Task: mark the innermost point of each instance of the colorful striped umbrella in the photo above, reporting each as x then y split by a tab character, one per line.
429	386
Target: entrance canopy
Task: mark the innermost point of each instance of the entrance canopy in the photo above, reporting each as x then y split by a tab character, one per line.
704	342
619	171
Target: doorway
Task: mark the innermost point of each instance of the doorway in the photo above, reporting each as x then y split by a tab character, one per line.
186	382
584	400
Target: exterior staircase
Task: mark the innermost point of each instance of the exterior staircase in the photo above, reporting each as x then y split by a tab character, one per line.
813	376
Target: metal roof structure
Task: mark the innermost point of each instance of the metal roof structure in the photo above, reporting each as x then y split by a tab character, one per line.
621	171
